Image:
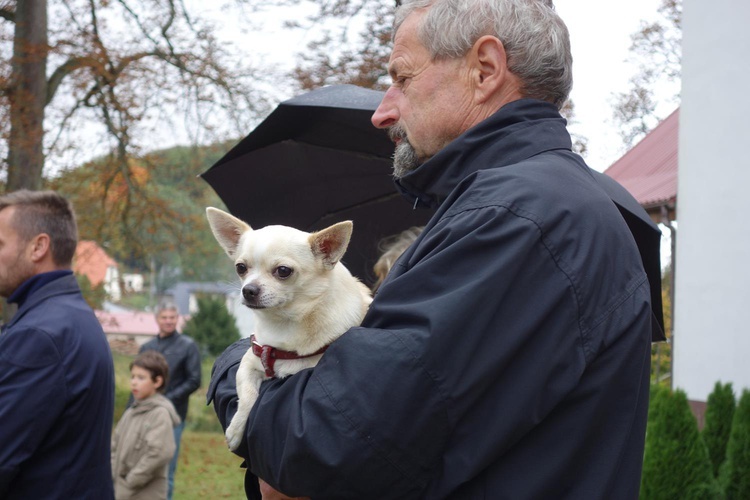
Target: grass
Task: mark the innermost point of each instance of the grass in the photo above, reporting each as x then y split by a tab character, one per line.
206	469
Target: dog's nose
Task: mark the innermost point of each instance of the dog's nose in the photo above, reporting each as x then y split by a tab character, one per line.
250	292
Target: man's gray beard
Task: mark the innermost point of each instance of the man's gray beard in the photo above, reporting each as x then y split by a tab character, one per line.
404	159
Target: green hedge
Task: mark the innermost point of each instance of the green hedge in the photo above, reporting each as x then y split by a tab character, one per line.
719	413
735	473
675	463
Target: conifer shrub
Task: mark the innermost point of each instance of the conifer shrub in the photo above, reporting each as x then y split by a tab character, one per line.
719	413
675	463
735	473
212	327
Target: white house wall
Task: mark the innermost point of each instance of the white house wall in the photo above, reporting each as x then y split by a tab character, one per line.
712	302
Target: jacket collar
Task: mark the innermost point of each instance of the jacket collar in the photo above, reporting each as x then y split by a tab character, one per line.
157	400
63	285
34	283
517	131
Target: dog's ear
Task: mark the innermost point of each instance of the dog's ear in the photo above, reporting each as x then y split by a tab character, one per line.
330	243
227	229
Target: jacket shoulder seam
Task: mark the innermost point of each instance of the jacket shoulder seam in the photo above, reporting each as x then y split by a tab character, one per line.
549	247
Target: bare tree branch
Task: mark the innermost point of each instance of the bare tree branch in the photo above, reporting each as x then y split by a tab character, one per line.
72	64
7	13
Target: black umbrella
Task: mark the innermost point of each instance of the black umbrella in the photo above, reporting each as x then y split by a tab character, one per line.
317	160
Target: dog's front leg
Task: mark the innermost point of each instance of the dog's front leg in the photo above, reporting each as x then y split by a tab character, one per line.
248	385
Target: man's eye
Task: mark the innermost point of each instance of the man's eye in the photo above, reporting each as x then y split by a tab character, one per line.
241	268
282	272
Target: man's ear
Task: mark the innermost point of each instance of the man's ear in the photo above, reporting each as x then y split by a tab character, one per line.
490	66
39	247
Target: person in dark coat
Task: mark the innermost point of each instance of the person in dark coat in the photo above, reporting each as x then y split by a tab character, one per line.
56	372
184	360
507	353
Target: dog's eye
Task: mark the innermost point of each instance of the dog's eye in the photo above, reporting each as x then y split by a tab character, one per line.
241	268
282	272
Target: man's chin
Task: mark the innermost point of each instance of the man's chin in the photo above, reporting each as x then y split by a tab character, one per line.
405	160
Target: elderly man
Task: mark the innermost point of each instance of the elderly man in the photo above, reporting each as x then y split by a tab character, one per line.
56	371
506	355
184	360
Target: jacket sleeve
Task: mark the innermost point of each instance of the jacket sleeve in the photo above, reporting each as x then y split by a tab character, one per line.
32	397
222	391
193	371
160	447
453	342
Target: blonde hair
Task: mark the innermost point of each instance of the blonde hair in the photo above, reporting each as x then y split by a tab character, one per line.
391	249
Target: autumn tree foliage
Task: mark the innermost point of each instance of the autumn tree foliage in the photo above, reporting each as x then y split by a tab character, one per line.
164	229
113	70
653	90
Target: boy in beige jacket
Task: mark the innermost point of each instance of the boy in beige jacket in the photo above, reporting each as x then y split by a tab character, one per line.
143	442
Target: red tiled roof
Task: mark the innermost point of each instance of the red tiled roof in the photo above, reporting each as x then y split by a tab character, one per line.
92	261
649	170
132	323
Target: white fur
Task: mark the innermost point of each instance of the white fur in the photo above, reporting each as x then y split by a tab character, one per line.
303	313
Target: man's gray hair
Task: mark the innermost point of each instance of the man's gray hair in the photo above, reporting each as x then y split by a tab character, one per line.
167	305
536	40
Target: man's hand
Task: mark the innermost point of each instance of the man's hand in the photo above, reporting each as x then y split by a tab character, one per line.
269	493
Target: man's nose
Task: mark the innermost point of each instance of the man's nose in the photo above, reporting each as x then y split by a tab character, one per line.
387	113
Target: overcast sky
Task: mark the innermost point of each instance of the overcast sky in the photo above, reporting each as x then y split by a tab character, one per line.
600	40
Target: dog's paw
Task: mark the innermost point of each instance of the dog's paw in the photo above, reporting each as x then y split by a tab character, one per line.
234	436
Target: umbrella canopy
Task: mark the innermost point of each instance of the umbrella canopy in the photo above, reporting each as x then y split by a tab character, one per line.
314	161
317	160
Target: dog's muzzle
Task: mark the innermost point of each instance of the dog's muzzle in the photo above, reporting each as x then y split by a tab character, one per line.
251	294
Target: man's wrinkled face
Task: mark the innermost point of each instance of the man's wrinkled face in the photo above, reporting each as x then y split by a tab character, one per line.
429	102
15	262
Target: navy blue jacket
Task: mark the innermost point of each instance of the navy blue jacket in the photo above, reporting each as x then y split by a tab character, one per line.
56	399
505	356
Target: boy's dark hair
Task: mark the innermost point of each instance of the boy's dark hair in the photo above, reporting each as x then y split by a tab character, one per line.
156	364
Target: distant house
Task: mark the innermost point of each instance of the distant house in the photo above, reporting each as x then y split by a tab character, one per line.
132	282
127	331
185	296
92	261
649	170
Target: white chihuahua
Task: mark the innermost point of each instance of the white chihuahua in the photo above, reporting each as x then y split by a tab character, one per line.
302	298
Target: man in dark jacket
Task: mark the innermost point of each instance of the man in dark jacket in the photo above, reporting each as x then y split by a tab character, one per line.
184	360
507	353
56	371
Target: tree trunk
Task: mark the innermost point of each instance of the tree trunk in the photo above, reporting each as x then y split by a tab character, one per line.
28	96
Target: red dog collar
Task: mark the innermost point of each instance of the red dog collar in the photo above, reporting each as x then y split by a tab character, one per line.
269	354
